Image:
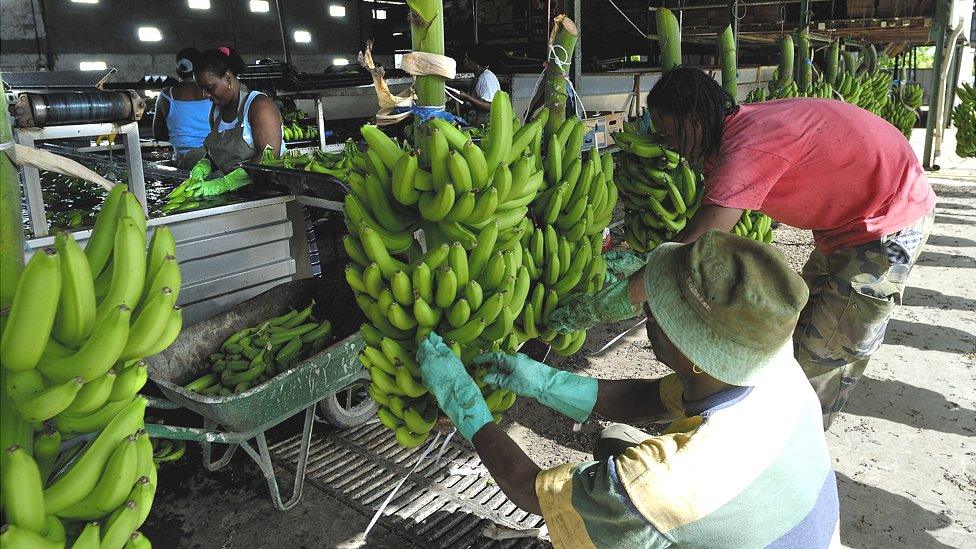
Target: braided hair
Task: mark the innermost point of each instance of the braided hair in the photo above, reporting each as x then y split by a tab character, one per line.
690	94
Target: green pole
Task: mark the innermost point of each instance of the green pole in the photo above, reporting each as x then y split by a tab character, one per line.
938	87
11	223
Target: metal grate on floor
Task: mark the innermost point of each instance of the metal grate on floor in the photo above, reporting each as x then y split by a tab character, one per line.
434	508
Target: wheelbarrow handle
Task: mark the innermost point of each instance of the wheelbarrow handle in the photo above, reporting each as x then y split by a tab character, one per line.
161	403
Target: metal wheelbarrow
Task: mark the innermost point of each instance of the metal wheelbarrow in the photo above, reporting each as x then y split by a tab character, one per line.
333	379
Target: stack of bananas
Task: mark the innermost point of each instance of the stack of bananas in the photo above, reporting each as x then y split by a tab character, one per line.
71	349
563	252
339	165
660	192
964	117
251	356
108	485
472	284
294	132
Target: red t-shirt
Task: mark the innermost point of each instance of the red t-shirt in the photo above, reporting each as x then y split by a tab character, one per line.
819	164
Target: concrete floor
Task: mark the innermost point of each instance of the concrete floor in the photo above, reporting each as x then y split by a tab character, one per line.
904	448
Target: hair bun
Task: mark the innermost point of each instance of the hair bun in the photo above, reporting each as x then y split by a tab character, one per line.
224	50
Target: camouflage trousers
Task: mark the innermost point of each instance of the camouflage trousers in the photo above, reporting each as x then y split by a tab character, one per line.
853	293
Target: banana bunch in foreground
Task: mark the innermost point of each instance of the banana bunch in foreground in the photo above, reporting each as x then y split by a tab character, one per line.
563	252
472	203
103	492
251	356
71	349
964	118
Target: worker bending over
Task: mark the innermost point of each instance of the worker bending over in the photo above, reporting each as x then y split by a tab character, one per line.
744	462
818	164
181	113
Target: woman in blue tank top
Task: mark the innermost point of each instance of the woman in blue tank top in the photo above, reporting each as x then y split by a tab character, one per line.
182	113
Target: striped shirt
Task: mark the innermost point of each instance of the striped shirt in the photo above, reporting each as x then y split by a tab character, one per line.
746	467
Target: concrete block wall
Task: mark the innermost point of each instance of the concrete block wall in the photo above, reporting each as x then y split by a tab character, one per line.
61	33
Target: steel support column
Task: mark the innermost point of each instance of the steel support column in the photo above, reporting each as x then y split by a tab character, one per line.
578	54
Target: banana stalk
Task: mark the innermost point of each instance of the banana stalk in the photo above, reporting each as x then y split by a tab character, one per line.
11	232
562	43
785	61
726	53
427	35
804	74
669	39
833	60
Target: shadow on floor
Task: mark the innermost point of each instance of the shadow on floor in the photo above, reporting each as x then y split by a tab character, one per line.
950	241
953	220
872	517
953	206
940	259
929	337
893	400
952	191
924	297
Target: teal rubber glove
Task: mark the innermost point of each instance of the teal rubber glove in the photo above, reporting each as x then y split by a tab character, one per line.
587	310
230	182
456	393
622	263
567	393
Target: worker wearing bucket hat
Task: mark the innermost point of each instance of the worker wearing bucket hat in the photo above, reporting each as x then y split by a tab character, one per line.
744	462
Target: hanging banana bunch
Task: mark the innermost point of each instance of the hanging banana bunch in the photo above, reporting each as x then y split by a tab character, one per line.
964	117
480	209
71	350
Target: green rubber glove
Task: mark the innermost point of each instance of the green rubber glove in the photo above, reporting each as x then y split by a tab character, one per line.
585	311
622	263
456	393
566	393
230	182
201	169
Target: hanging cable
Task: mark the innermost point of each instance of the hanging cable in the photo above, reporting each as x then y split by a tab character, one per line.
614	4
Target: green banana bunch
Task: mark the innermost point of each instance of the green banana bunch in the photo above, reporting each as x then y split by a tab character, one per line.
168	450
479	208
71	361
964	118
255	354
660	197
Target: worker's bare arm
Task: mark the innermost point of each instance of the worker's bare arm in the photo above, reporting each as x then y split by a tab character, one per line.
709	217
477	102
514	471
265	126
631	401
160	129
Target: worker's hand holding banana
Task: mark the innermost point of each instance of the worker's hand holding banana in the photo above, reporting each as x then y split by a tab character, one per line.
456	393
566	393
230	182
587	310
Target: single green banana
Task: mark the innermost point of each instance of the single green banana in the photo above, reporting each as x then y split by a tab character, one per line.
22	490
113	486
128	269
27	328
95	357
128	382
102	239
75	316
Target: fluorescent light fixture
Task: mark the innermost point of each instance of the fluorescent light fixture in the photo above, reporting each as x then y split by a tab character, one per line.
338	61
199	4
92	66
335	10
398	34
150	34
260	6
379	14
85	1
303	37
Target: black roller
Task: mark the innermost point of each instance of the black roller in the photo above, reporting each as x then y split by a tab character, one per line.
59	109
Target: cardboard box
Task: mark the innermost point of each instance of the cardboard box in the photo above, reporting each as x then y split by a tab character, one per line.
615	123
595	133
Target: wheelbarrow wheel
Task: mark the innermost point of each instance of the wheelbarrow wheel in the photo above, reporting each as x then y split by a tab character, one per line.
350	406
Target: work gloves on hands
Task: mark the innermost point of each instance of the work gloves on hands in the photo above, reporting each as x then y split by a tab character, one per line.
622	264
456	393
610	304
569	394
230	182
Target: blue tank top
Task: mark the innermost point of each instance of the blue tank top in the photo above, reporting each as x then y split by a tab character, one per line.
187	121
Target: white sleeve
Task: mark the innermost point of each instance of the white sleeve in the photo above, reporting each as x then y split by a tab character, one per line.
487	86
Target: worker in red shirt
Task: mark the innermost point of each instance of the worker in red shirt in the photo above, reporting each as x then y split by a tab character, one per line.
819	164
